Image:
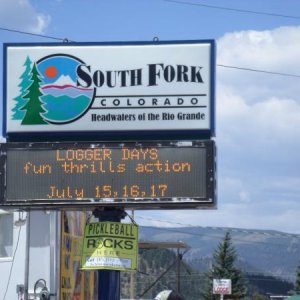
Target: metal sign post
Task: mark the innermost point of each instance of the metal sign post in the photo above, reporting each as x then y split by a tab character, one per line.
109	280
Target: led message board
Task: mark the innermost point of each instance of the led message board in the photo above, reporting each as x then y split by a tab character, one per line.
111	89
170	175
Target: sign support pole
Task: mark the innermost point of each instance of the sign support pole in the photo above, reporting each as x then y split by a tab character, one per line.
179	257
109	280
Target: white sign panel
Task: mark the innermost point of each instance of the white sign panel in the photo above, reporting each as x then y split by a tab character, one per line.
109	87
222	286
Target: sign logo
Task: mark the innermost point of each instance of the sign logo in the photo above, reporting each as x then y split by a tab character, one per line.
49	93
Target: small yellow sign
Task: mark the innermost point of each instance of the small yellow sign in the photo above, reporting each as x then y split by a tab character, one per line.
110	246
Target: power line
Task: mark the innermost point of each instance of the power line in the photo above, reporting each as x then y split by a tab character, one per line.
187	278
252	275
12	264
234	9
33	34
219	65
195	274
259	71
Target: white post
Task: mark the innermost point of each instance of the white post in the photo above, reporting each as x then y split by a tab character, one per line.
221	296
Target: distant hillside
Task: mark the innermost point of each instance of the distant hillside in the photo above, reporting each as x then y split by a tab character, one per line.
268	285
270	253
160	269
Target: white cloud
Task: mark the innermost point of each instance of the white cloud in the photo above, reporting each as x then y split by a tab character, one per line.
272	120
272	50
259	130
21	15
258	136
275	51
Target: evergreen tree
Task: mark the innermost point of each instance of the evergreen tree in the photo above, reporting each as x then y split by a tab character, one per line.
24	84
297	283
34	106
223	268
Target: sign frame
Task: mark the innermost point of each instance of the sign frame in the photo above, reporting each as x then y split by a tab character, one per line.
128	203
138	133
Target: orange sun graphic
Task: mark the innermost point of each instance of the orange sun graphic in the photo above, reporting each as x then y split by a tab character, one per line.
51	72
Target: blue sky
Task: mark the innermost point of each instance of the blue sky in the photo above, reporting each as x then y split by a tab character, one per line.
258	114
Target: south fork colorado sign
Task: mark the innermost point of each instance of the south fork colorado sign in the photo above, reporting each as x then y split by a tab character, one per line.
129	87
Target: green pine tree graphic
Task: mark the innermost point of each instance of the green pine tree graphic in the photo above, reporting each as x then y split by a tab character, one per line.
34	107
24	84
